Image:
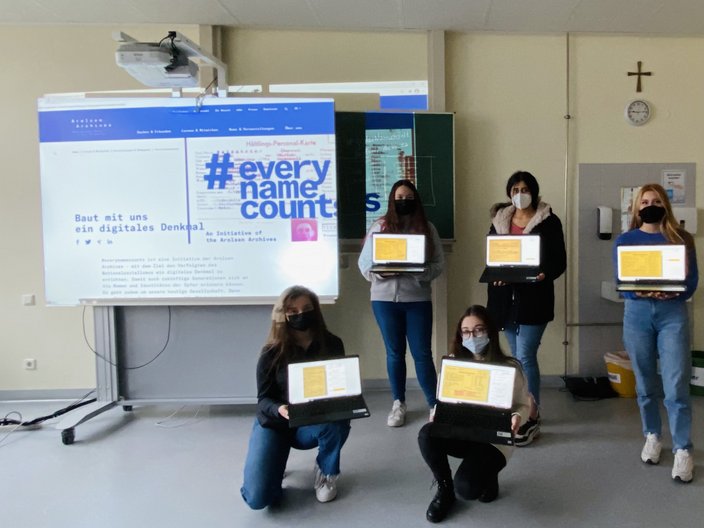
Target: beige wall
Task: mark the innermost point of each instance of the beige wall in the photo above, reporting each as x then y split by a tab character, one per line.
508	92
40	60
264	57
508	95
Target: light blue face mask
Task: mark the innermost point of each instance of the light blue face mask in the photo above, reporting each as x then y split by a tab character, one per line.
476	345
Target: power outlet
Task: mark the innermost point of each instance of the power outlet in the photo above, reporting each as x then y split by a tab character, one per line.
28	299
30	364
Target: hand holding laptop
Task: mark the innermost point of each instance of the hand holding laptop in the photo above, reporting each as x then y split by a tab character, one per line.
515	424
658	295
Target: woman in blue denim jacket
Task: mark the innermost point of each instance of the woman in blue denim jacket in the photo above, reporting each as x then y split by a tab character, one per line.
401	302
656	327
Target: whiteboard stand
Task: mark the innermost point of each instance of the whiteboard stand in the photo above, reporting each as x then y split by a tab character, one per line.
106	375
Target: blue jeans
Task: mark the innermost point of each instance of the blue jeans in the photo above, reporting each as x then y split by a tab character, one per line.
524	341
655	330
268	452
413	320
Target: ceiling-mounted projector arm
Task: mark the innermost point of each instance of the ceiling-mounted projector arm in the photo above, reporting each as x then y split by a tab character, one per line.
192	50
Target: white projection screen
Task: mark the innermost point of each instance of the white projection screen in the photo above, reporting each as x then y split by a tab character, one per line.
165	201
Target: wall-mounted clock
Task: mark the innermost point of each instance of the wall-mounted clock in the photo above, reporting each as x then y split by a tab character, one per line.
638	112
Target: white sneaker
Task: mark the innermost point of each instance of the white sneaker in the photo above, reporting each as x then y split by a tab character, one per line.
651	450
397	416
683	467
325	486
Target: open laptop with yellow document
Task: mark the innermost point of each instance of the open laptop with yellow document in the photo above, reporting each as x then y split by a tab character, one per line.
398	253
325	391
474	401
652	268
512	258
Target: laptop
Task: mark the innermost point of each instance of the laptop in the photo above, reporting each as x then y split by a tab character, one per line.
325	391
474	401
651	268
512	258
398	253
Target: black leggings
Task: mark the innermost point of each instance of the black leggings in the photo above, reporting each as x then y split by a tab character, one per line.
480	465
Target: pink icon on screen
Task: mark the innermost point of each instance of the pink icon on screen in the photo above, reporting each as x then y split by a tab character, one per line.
304	229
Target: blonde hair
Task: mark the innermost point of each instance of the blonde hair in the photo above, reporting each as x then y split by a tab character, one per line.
668	225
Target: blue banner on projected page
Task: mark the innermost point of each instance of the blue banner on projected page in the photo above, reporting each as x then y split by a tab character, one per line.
157	200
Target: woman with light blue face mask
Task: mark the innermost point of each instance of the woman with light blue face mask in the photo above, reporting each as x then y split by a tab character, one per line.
524	309
477	338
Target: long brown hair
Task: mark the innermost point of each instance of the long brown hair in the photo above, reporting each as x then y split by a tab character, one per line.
416	223
668	225
281	336
494	353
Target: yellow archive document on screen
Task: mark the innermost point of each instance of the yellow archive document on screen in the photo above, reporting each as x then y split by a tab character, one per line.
314	382
391	249
505	250
641	264
462	383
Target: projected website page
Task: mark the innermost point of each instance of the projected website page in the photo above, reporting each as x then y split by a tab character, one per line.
157	199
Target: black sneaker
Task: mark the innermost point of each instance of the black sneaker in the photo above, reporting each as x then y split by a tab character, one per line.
527	432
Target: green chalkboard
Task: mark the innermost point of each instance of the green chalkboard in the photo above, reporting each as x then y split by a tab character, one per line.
374	149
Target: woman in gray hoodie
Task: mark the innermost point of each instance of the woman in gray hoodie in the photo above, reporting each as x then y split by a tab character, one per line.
401	302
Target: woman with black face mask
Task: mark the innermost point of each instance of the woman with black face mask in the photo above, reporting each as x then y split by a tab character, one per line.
656	327
401	302
298	333
476	338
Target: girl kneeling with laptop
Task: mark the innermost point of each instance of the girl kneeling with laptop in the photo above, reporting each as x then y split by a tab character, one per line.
297	333
476	338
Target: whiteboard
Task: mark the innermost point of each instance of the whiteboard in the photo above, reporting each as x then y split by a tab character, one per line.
174	201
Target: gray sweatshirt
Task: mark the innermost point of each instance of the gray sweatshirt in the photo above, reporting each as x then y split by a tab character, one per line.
404	287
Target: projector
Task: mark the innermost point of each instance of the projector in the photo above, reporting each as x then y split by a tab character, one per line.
168	63
157	66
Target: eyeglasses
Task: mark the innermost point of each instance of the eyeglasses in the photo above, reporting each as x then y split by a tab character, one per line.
480	331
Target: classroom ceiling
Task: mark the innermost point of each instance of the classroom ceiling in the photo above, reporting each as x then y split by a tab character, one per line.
669	17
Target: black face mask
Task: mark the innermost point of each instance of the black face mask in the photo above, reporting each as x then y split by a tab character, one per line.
652	214
301	321
404	207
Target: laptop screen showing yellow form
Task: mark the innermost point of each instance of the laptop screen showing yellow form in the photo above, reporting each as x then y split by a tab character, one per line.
398	249
331	378
476	383
513	250
651	262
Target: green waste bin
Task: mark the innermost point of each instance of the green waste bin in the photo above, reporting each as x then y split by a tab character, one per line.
696	385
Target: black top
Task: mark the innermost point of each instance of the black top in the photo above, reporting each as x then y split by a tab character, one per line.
533	302
272	384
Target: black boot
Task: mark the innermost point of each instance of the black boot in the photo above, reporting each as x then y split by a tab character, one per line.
491	491
442	502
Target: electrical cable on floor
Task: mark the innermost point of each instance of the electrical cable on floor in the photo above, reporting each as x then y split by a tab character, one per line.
75	405
19	424
28	425
190	421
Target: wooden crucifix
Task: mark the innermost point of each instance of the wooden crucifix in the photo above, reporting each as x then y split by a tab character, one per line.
639	73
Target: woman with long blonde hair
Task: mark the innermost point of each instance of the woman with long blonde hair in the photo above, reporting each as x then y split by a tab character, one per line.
656	327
